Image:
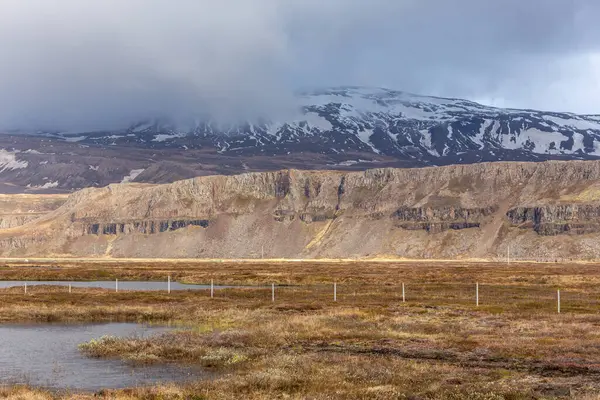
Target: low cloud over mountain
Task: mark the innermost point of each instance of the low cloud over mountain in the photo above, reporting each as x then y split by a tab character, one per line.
72	65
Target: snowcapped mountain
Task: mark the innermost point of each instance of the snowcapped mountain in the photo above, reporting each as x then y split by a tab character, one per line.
341	128
384	122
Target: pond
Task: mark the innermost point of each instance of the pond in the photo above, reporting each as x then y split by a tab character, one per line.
47	355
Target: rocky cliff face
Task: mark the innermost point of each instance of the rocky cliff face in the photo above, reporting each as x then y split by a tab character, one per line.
558	219
541	210
144	226
442	218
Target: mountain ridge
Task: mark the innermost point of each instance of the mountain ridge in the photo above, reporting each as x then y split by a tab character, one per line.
337	128
361	111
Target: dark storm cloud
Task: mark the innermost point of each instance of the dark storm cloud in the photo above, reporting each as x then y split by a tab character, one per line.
72	64
535	53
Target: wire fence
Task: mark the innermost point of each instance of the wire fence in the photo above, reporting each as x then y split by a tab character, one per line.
580	298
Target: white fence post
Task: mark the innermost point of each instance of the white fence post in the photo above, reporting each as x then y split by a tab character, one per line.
334	291
403	294
116	285
169	284
273	292
477	294
25	287
212	288
69	288
558	300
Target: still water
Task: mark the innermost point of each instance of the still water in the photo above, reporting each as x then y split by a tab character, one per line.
123	285
47	355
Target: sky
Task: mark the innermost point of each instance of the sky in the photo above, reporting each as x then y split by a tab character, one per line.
72	64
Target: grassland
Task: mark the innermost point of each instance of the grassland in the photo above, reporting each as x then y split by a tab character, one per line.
368	344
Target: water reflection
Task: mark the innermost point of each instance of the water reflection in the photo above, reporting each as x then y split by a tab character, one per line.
47	355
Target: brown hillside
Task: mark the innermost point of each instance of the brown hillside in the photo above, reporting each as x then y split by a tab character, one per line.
18	209
547	211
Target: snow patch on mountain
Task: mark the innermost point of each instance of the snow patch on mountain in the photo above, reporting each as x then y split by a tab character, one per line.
348	163
47	185
162	137
541	141
132	175
8	161
378	121
365	137
317	121
575	122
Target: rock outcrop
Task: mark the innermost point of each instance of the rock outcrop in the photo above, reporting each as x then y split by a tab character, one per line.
544	210
145	226
442	218
558	219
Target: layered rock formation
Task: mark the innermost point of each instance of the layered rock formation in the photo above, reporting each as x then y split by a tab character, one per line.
547	210
442	218
558	219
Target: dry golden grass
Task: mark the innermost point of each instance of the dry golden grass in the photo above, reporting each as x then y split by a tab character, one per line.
301	272
368	344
